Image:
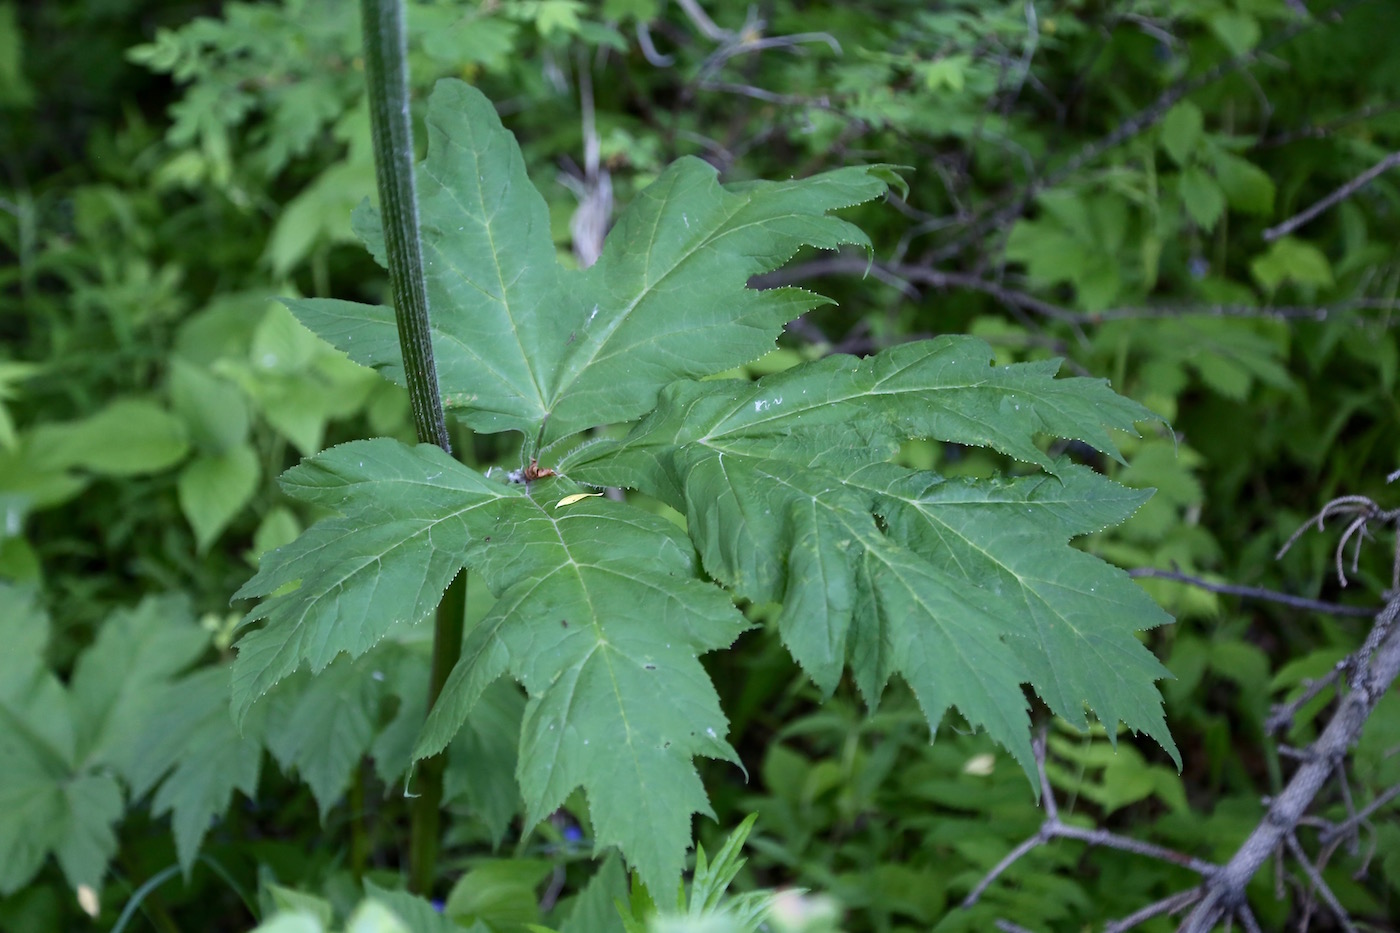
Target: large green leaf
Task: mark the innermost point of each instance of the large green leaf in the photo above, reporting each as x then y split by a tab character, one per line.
36	745
419	915
71	816
482	759
58	793
599	615
213	489
1073	617
943	388
965	589
129	437
382	565
119	682
523	344
193	750
323	729
595	909
601	609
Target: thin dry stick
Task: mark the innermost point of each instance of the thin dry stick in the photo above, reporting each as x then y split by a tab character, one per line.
589	224
1281	718
1319	883
1360	816
1253	592
1006	926
1321	130
702	20
1053	828
1341	194
1167	905
649	52
1366	511
905	273
1225	889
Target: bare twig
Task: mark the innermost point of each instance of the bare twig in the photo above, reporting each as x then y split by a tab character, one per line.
922	275
1321	130
702	21
1225	889
1350	825
848	265
1011	858
744	46
1167	905
550	897
1006	926
649	52
1319	884
1281	717
1027	56
748	39
1366	511
1053	828
589	224
1146	24
1275	313
1253	592
1341	194
758	93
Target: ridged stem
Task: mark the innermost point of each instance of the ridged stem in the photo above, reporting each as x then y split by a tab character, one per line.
386	76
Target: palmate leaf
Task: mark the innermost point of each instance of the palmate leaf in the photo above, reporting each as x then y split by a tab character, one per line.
61	744
965	589
523	344
1073	617
404	526
324	729
943	388
196	755
599	614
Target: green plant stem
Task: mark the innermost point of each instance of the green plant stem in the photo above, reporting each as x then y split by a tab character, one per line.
158	916
386	76
147	899
424	823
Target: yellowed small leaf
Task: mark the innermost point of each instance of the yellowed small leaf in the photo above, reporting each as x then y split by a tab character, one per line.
576	497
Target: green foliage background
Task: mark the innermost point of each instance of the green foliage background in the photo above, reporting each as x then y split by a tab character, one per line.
171	169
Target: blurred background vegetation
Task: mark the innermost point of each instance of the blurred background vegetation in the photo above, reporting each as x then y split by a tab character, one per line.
1090	180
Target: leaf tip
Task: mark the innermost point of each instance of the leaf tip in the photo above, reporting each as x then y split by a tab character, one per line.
892	176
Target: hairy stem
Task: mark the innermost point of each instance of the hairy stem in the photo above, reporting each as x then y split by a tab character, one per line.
424	823
386	77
